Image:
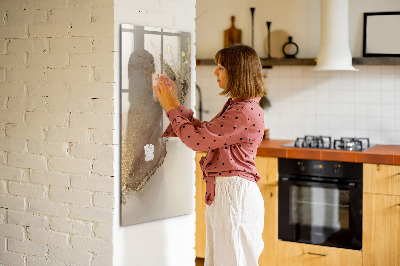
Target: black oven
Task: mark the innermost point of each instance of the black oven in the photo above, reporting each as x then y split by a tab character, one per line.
320	202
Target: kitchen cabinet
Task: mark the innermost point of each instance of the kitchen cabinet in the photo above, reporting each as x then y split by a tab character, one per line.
270	233
200	209
291	253
381	230
381	221
267	168
381	215
381	179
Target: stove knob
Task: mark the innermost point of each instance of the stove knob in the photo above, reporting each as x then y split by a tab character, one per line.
336	169
302	167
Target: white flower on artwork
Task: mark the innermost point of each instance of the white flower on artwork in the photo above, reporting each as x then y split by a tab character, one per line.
149	152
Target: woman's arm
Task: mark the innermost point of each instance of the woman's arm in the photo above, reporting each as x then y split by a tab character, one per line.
188	114
228	129
166	82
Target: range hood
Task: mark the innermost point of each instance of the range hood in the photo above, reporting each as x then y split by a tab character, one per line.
334	51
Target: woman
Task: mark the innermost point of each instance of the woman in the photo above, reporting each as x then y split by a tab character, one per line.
235	207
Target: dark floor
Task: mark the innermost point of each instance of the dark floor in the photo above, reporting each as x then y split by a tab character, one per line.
199	262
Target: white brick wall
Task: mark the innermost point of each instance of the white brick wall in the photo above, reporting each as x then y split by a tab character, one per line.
56	127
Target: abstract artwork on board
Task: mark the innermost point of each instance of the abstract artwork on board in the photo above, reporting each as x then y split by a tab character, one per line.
147	181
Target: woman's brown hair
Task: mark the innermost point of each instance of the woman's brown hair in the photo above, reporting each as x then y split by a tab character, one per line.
245	78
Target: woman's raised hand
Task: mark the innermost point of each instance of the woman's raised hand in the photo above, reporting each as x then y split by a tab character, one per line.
166	93
174	90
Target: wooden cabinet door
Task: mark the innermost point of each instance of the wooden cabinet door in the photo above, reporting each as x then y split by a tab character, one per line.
270	233
200	209
298	254
381	179
267	168
381	230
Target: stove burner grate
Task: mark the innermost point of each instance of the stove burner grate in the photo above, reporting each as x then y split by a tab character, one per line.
351	144
321	142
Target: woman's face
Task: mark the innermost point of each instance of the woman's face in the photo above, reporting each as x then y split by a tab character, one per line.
222	76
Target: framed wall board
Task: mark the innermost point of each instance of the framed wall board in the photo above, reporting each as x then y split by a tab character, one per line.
381	36
154	185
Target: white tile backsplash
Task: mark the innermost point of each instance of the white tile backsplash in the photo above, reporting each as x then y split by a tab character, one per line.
364	103
347	110
388	97
374	97
361	124
348	95
388	83
387	124
387	110
374	83
322	95
387	72
374	110
397	123
397	72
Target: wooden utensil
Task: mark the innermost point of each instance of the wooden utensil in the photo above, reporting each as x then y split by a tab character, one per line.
232	35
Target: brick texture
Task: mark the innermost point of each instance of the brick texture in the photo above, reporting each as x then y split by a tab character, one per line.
70	165
103	231
70	196
48	237
92	182
69	15
91	213
71	44
36	261
12	89
71	226
49	178
27	247
29	16
47	207
46	89
12	202
28	219
20	46
56	127
70	256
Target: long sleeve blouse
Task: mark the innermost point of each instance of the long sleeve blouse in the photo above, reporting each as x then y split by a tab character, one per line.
231	139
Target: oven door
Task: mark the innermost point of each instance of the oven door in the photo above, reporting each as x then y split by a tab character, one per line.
321	212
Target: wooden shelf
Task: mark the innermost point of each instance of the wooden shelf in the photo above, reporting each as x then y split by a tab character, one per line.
288	62
312	61
268	62
376	61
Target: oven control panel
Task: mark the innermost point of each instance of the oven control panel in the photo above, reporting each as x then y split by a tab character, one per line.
331	169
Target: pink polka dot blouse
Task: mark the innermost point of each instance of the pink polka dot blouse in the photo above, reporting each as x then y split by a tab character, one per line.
231	139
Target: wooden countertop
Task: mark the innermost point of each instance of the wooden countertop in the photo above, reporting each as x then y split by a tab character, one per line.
379	154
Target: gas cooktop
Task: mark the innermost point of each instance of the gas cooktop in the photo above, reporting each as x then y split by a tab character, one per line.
325	142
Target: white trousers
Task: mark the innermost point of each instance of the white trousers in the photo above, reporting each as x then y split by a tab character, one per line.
234	223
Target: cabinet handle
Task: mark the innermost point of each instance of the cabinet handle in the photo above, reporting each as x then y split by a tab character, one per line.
318	254
398	204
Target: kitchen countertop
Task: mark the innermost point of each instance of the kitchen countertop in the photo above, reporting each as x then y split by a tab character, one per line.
379	154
